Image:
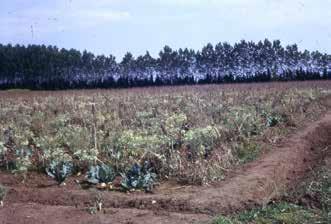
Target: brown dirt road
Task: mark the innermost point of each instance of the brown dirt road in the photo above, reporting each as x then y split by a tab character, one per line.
251	185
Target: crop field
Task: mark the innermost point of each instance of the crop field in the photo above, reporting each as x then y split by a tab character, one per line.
140	139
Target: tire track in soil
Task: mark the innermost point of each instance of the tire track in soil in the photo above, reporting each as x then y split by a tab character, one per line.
254	184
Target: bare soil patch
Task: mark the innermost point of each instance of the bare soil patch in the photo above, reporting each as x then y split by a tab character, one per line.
40	200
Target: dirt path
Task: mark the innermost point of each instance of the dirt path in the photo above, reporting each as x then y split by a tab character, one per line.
251	185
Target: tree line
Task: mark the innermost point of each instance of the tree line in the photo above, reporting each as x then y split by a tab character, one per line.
48	67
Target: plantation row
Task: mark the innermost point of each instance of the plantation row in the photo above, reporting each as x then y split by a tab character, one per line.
190	135
41	67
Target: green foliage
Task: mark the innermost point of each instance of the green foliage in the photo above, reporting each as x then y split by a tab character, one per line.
16	147
224	220
195	132
272	118
59	170
139	177
3	151
22	164
316	191
201	141
321	189
247	151
2	148
174	125
63	135
3	192
130	146
134	144
277	213
100	174
244	121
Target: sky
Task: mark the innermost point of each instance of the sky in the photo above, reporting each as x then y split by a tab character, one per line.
118	26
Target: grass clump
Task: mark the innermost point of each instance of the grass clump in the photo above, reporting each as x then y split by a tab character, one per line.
282	213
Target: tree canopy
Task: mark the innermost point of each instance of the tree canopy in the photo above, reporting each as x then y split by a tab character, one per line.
48	67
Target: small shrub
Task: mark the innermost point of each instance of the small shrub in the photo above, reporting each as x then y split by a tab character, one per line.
59	170
139	177
100	174
201	141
